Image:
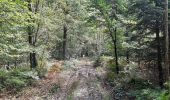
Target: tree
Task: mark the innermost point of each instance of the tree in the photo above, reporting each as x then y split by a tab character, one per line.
32	35
149	21
13	21
167	54
108	18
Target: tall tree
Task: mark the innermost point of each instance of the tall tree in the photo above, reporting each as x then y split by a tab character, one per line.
167	54
32	35
159	57
13	20
64	40
115	49
65	29
109	13
149	21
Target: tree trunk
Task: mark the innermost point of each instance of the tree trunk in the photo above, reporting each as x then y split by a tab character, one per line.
167	63
31	40
115	49
114	41
64	41
127	51
33	60
127	56
159	59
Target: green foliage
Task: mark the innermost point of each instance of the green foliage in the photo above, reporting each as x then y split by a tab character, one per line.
143	90
146	14
150	94
42	67
107	62
110	77
41	72
140	84
145	94
90	26
14	80
14	83
165	95
13	21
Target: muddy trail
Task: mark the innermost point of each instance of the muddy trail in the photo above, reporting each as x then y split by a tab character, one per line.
78	81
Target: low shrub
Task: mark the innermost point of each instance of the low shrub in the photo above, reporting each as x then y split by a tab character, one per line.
14	83
144	90
150	94
165	95
110	76
57	67
41	72
14	80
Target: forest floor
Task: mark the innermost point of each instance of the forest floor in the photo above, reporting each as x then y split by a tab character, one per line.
78	81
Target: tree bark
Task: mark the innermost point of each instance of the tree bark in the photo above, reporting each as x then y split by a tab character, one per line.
127	56
115	50
114	41
159	59
64	41
127	51
167	61
31	40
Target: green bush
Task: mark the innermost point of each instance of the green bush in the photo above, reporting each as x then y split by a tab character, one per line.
110	76
41	72
97	62
140	84
143	90
150	94
165	95
15	83
3	75
144	94
14	79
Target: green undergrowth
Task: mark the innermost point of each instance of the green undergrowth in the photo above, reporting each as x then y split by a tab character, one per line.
144	90
128	85
14	80
109	63
41	68
41	72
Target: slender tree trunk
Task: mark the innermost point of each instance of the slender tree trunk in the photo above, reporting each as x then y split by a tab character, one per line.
127	51
114	41
115	49
167	61
127	56
31	40
159	59
113	38
64	41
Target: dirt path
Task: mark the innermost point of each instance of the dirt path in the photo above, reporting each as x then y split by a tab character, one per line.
79	81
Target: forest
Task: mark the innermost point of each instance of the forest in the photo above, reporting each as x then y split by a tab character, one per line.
84	50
